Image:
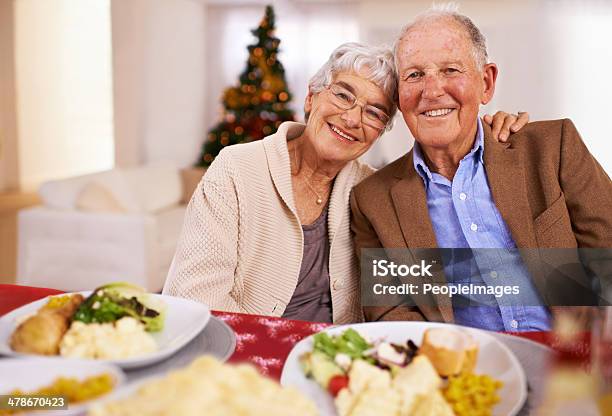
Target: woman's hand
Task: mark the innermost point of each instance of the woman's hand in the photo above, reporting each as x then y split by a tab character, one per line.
503	124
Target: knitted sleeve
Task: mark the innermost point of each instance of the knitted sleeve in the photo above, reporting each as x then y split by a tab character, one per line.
204	265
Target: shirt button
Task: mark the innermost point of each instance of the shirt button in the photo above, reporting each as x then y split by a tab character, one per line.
462	196
336	284
473	227
493	274
514	323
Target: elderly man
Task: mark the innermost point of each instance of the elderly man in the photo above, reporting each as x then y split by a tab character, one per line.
460	189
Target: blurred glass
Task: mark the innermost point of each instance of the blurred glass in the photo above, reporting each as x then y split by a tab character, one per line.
572	387
601	354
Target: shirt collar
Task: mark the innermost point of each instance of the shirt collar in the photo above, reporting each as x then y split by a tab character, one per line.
421	167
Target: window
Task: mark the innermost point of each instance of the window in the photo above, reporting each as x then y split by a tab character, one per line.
64	88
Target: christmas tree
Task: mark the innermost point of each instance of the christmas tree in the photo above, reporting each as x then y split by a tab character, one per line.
258	105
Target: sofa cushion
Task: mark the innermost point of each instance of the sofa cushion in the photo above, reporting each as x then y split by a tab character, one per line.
63	194
155	187
95	197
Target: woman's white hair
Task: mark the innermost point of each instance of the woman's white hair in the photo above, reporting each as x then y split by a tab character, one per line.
375	62
450	10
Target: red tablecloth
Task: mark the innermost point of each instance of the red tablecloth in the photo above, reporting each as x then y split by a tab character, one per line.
261	340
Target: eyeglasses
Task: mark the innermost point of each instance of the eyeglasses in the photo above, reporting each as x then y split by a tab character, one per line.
346	100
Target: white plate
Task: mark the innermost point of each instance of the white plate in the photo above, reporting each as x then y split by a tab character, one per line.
185	319
127	390
494	359
30	374
217	339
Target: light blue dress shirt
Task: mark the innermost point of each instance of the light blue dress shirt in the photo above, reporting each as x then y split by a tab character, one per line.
464	217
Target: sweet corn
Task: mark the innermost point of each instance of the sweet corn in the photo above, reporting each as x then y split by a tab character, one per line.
472	395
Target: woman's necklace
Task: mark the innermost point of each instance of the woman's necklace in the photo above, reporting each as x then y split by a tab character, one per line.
319	199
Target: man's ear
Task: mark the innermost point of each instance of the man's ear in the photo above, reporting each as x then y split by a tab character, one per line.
489	76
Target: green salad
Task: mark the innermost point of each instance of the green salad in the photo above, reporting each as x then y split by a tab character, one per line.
350	342
114	301
331	356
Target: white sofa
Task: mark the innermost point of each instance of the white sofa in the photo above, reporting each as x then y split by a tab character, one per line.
117	225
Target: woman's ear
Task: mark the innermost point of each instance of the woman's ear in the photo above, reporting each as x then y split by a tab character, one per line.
308	102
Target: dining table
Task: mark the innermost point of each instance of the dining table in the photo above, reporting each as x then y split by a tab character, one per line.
265	342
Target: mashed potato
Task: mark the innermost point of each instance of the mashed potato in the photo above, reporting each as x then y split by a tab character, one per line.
414	391
208	387
125	338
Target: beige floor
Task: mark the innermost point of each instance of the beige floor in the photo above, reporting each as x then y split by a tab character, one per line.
10	204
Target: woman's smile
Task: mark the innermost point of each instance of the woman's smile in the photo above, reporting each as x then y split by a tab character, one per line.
342	135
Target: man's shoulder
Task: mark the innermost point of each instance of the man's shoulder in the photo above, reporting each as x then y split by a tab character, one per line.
548	132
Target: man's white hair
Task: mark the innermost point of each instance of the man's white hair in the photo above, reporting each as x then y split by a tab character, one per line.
353	57
450	10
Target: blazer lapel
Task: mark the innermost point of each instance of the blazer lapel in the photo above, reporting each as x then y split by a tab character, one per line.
508	184
410	202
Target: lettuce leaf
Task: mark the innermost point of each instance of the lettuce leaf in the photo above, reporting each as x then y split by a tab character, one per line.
350	342
114	301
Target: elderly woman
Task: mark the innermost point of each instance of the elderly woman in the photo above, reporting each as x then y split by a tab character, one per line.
267	230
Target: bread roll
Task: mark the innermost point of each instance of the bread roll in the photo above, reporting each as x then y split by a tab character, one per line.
450	351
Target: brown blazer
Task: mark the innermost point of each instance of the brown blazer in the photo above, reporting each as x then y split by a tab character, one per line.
549	189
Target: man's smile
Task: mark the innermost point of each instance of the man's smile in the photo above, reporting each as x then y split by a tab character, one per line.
437	113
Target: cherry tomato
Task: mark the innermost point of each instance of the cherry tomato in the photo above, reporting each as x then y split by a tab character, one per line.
337	383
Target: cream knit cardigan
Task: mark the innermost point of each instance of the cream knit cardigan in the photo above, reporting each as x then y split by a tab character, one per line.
242	243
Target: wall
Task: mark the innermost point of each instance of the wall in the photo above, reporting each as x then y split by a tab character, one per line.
128	28
9	166
159	70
